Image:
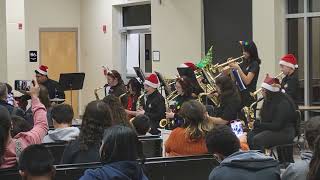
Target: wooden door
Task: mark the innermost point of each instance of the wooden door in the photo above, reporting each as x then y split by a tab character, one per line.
58	51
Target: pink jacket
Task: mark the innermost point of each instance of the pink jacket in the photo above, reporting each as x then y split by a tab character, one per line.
34	136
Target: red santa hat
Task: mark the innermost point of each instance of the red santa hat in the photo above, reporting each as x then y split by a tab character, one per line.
289	60
188	64
152	81
42	70
271	84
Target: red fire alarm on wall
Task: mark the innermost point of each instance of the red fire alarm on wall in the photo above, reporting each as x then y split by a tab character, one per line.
104	28
20	26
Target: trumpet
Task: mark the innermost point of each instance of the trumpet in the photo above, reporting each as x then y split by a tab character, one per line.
95	91
254	94
218	67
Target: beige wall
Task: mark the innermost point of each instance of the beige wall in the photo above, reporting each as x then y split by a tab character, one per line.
176	33
47	14
96	47
268	32
16	61
3	42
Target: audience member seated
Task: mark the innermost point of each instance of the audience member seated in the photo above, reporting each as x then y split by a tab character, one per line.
141	124
35	163
62	116
10	97
300	169
236	164
119	152
44	99
190	138
97	117
3	102
10	148
118	112
19	125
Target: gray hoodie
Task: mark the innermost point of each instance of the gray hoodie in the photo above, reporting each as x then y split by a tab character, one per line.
299	169
61	134
250	165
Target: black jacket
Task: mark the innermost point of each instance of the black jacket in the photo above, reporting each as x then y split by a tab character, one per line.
250	165
229	108
290	84
278	114
72	154
12	110
155	109
117	91
54	88
122	170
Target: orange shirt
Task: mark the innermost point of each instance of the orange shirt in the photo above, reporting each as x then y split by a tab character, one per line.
178	144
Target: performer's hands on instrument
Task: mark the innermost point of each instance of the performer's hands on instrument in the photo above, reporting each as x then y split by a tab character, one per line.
226	70
214	94
169	115
34	89
234	65
140	112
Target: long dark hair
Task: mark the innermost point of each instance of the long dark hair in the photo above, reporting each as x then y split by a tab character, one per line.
251	48
186	86
227	88
196	123
312	132
115	75
19	124
120	143
135	86
97	117
5	124
119	115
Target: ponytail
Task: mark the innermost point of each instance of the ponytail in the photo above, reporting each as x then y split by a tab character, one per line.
314	171
5	123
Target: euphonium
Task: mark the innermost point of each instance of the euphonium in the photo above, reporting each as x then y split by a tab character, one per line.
96	92
208	87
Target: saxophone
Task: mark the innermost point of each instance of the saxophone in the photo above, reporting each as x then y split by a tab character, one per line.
95	91
140	98
249	113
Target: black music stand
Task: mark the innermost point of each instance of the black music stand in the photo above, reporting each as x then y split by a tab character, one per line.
71	82
139	73
163	85
189	73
